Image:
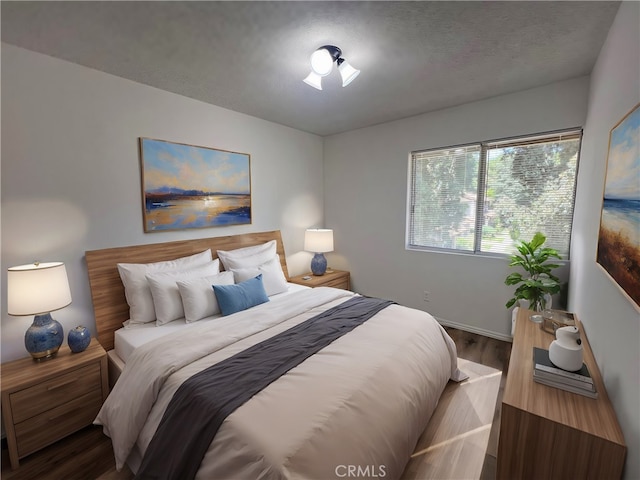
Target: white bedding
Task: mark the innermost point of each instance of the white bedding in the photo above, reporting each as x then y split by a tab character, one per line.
127	339
364	400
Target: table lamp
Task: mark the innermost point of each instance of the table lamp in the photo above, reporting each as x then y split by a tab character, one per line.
318	241
38	289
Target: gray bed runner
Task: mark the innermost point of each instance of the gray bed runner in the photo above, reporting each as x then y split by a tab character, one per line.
201	403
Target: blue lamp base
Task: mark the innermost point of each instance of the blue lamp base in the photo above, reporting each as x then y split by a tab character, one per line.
318	264
44	337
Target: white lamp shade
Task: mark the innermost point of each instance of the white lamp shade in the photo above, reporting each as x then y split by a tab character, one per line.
314	80
348	73
318	240
37	288
321	62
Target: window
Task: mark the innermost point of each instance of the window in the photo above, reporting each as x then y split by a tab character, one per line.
485	197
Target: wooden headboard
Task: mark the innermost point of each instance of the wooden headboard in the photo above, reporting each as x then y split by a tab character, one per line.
107	292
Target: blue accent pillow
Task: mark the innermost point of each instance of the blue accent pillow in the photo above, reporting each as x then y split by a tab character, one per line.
243	295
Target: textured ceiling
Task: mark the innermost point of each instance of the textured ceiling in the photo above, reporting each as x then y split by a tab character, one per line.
251	57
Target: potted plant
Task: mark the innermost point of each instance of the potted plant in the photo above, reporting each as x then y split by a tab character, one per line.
534	259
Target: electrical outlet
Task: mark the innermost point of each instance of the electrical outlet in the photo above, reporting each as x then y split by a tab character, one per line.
426	296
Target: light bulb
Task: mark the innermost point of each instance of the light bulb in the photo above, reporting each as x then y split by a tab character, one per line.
321	62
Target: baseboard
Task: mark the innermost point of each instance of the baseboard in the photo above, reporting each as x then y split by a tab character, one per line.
470	329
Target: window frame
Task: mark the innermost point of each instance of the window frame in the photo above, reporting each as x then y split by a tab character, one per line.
484	147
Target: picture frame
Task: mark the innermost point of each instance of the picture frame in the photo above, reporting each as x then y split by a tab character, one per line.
187	186
618	251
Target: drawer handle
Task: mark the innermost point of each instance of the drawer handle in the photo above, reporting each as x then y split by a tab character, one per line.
62	384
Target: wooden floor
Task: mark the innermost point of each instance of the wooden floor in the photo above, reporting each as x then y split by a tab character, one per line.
494	354
460	442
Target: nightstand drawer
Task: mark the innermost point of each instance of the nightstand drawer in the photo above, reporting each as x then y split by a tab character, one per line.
46	428
57	391
338	283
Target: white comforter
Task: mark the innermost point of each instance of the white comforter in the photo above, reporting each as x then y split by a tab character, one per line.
362	402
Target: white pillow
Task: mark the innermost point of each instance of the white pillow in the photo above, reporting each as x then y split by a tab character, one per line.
136	287
248	256
165	293
273	277
198	298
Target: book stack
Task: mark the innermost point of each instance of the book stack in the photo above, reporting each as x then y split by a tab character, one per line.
545	372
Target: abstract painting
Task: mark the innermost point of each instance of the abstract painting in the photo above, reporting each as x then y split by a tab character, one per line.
185	186
619	236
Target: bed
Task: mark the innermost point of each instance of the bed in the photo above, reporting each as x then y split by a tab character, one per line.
355	407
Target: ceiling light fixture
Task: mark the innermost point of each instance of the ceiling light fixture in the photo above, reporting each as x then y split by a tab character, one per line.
322	63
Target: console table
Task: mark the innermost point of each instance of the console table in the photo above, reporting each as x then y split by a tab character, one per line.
549	433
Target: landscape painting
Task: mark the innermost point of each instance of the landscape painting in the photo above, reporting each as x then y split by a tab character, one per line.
619	236
185	186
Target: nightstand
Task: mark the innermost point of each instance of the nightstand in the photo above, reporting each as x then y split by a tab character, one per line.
332	278
43	402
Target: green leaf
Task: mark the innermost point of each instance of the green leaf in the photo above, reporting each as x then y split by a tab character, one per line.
537	241
518	261
554	278
524	249
550	266
513	278
551	252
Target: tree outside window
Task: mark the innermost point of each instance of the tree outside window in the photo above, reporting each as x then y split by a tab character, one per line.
484	197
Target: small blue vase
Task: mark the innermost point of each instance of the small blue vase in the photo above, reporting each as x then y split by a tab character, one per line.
44	337
79	339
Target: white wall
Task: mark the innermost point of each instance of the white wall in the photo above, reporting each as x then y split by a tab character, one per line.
365	203
71	174
611	321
